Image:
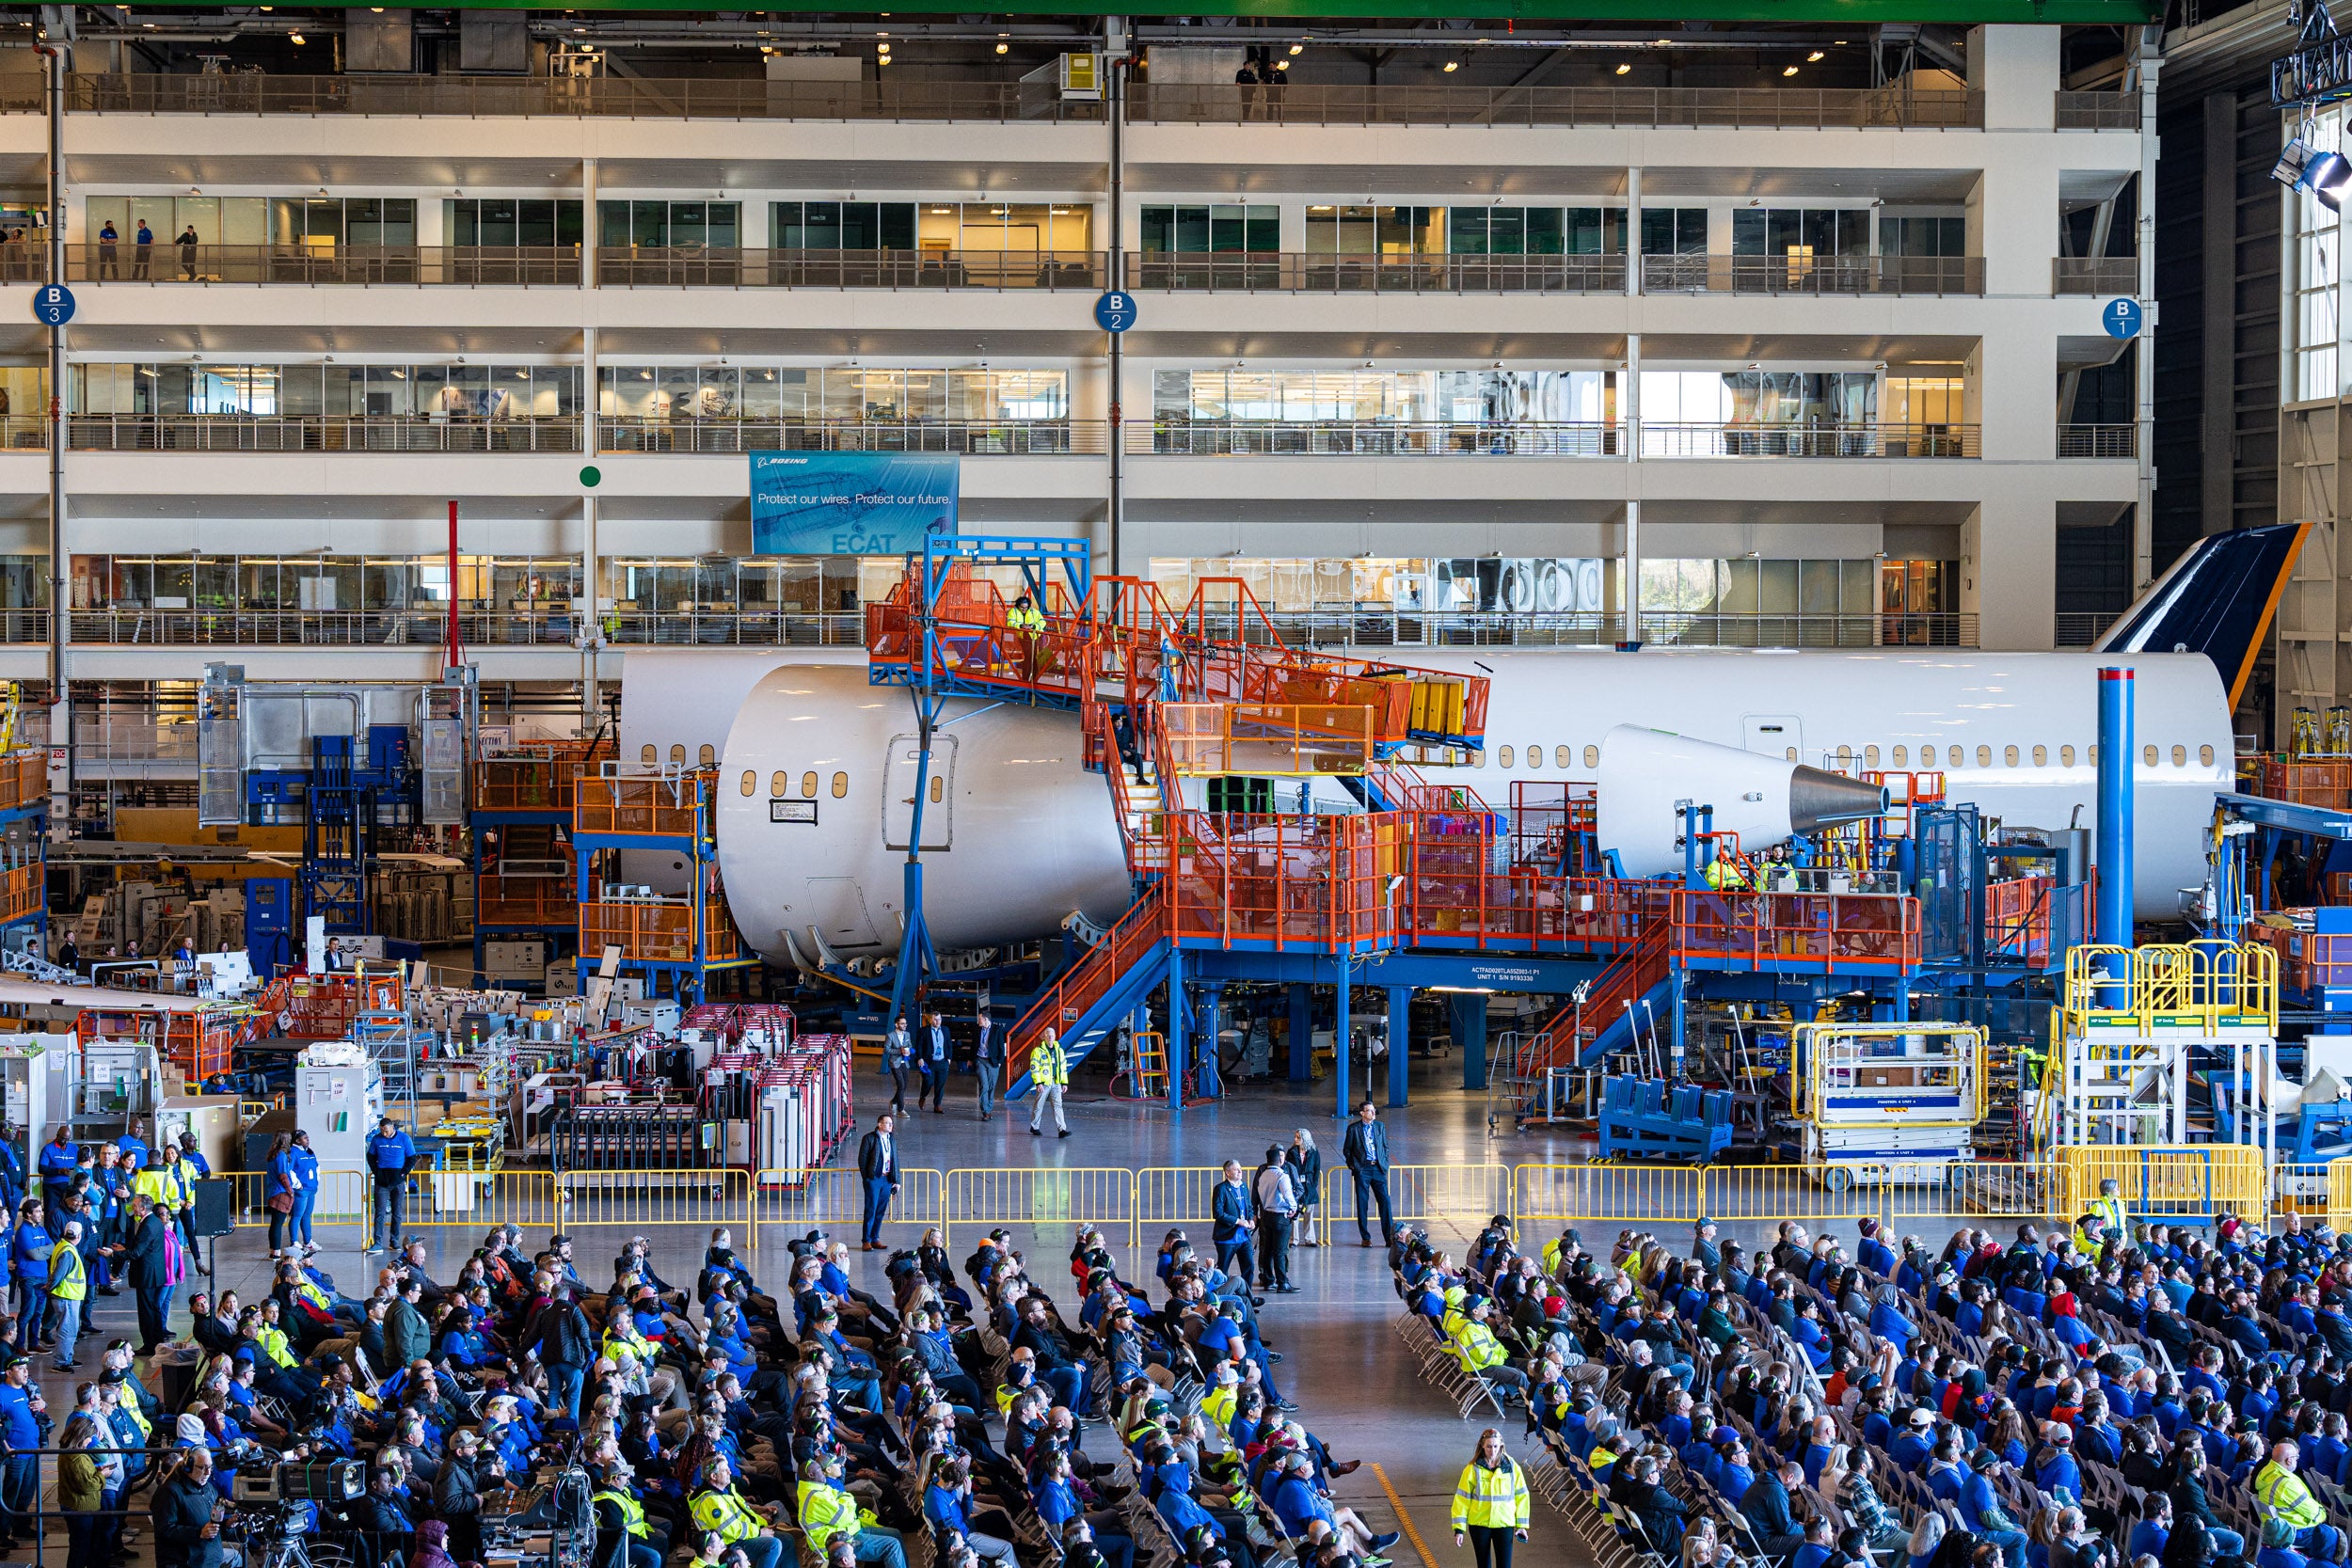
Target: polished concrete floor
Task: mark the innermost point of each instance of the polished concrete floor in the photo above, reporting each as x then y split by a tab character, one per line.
1342	1361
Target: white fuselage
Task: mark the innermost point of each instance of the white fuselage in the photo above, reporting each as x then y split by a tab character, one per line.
1017	834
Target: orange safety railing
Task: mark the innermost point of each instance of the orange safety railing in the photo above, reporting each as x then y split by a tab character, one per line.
321	1006
1139	808
202	1044
660	931
1549	818
106	1023
1799	932
657	804
2029	918
21	890
2308	782
24	778
525	900
1626	980
1206	739
540	775
1314	882
1083	984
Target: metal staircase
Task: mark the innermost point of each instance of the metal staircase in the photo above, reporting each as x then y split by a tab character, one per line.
1098	994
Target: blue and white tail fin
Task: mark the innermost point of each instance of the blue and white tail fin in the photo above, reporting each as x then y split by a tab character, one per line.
2218	600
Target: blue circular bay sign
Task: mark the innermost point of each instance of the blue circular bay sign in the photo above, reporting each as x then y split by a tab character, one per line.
1115	311
53	304
2120	317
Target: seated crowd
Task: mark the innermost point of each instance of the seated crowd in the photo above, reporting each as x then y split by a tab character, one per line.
2169	1397
724	1423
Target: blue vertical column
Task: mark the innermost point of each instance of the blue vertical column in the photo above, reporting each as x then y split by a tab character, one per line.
2111	909
1208	1024
1179	1028
1400	1045
1339	1035
1301	1032
1470	1036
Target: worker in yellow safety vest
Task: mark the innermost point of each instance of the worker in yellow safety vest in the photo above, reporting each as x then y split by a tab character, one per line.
1481	1354
2285	1499
69	1288
1049	1074
2108	1207
827	1511
1724	872
1490	1503
621	1519
720	1508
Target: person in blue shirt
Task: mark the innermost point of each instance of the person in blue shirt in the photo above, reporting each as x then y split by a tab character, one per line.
390	1154
2278	1548
304	1161
2057	1471
1872	1253
948	1508
58	1157
12	1165
1980	1510
193	1157
28	1258
21	1407
2153	1531
1816	1549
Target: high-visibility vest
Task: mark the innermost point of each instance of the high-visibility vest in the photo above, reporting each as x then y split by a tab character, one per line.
1218	1405
69	1282
2110	1210
273	1344
163	1184
726	1513
1493	1500
309	1292
632	1512
129	1405
627	1334
825	1513
2283	1494
1476	1348
1049	1065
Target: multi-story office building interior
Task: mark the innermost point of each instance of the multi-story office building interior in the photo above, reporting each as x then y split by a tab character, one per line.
1710	332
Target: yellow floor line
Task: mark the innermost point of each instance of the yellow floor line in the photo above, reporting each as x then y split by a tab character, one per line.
1403	1518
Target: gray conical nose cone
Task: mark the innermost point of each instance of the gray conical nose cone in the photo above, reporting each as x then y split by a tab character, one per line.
1817	798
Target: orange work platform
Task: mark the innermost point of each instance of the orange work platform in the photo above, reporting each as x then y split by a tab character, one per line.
539	776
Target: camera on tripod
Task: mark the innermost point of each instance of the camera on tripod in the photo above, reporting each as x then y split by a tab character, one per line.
336	1480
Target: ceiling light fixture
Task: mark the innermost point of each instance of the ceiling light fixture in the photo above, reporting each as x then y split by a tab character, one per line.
295	37
1453	66
1298	48
1814	55
1788	70
1623	67
1002	47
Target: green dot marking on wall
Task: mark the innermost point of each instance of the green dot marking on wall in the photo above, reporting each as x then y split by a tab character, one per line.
591	475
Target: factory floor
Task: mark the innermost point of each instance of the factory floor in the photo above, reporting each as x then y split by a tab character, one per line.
1343	1364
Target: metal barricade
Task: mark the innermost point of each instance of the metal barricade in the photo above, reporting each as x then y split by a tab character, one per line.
803	1200
479	1199
344	1197
649	1199
1041	1196
2194	1183
1465	1194
2007	1190
1765	1194
1173	1197
1615	1194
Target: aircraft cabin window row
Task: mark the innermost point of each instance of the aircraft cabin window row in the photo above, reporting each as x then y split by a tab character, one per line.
1846	759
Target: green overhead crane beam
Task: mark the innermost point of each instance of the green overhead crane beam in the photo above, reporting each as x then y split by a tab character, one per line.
1858	13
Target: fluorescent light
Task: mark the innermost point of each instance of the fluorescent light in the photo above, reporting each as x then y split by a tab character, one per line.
1788	70
1814	55
1453	66
1298	48
1624	68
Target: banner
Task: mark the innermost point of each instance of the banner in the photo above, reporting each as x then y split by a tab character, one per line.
850	502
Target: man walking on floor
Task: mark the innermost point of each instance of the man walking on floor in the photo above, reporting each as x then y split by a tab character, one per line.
878	1166
1278	1204
1049	1074
988	1061
935	1053
1366	1150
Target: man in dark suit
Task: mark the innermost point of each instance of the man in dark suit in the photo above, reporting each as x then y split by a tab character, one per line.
878	1166
937	1051
147	1260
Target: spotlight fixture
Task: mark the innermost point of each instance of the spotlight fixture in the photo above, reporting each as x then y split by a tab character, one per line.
295	38
1298	48
1453	66
1788	70
1814	55
1623	67
1281	65
1003	48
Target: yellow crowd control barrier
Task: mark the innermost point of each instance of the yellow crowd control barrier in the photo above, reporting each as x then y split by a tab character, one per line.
802	1201
1816	1195
653	1200
2009	1190
477	1200
2156	1181
344	1197
1044	1194
2339	1193
1183	1197
1464	1194
1607	1195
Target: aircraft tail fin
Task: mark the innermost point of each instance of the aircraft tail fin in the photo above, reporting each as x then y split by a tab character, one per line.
2218	600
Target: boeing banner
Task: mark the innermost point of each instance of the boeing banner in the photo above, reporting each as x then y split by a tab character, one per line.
850	502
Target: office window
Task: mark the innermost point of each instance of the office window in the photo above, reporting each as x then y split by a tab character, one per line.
1339	231
1207	229
1673	231
499	222
1922	236
1527	231
679	225
1800	232
842	224
985	225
